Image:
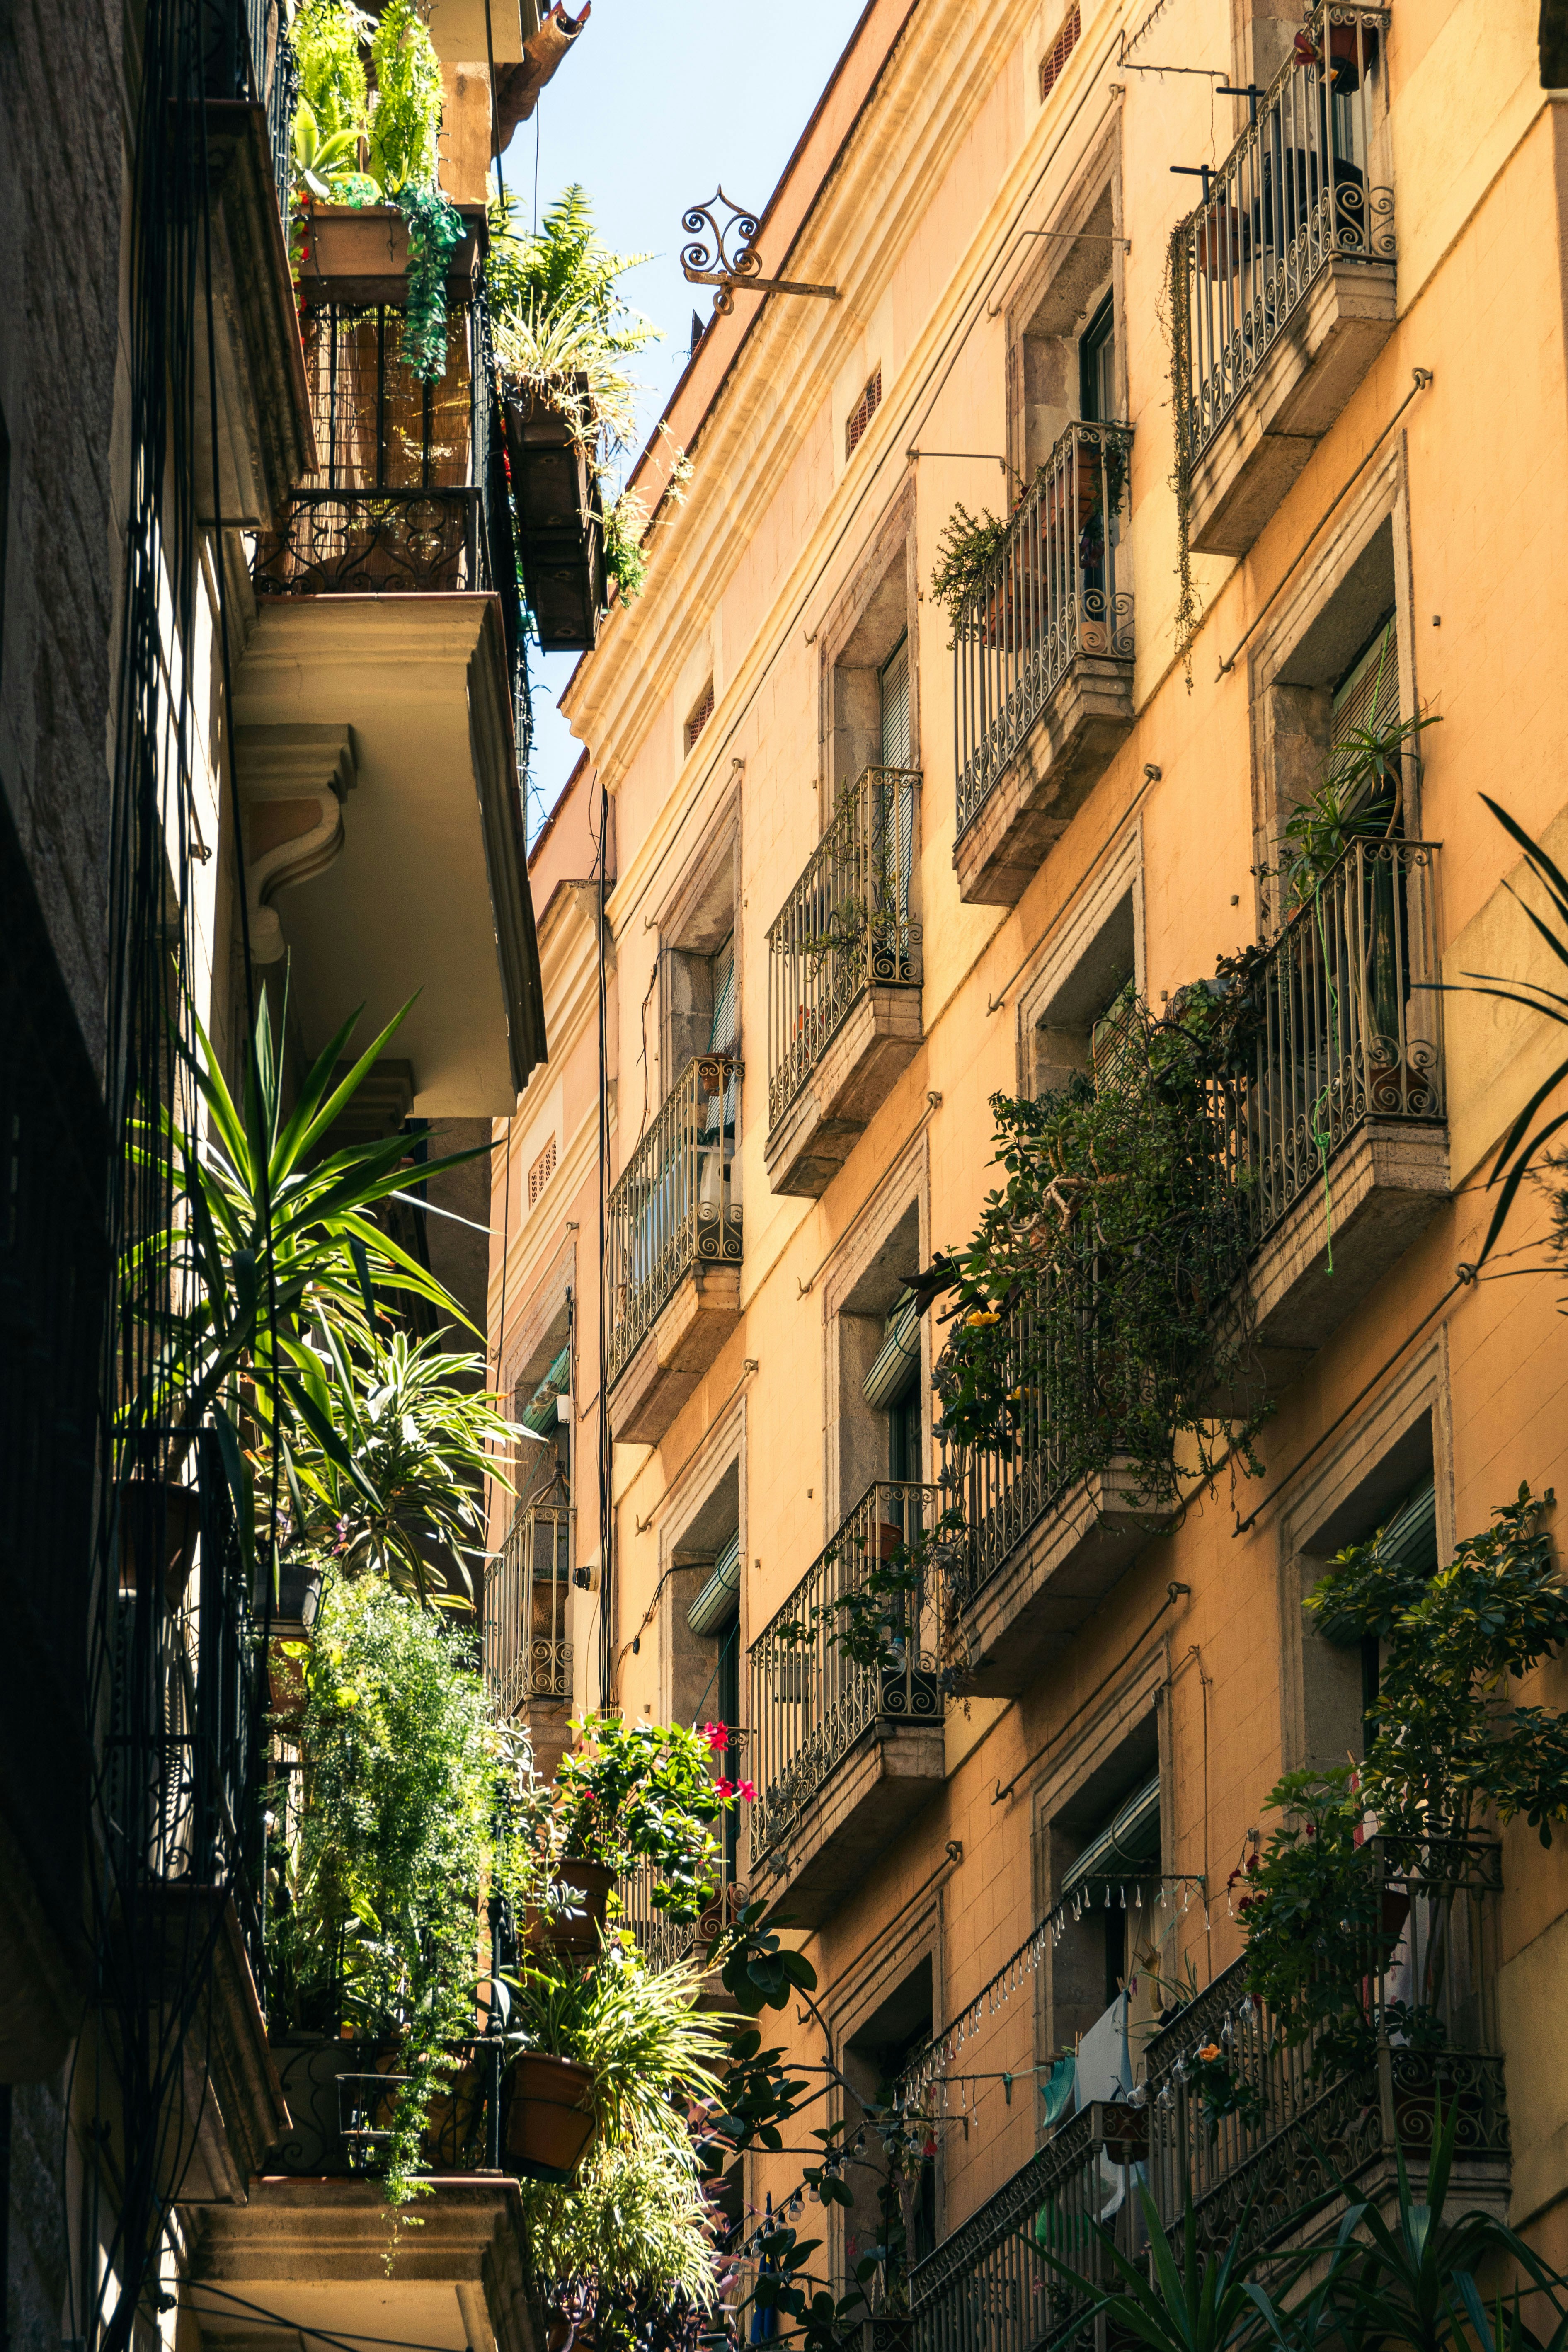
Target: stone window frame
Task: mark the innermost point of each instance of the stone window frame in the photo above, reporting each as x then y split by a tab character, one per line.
703	908
1143	1690
1349	1472
684	1565
1380	501
906	1185
855	1997
1080	255
866	620
1062	953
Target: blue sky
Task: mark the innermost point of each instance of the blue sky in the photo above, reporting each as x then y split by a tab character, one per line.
653	109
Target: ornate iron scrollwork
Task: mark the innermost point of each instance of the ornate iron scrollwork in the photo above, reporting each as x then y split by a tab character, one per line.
705	265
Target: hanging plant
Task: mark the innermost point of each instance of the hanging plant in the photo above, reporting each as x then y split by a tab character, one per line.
405	125
435	227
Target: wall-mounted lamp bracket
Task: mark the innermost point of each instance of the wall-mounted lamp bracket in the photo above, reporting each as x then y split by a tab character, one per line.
702	264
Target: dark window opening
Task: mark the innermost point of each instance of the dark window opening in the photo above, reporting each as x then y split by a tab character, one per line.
1097	366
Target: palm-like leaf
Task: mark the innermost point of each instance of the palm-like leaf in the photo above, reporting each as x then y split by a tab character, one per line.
267	1240
395	1444
1519	1150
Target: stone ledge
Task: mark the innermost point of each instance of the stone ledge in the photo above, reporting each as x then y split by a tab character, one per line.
234	2104
864	1059
1302	387
692	1326
1046	783
1385	1186
891	1773
1053	1580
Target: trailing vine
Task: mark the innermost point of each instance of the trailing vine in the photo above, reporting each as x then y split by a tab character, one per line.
434	226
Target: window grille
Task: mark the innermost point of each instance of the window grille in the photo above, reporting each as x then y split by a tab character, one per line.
861	415
540	1174
1060	50
701	716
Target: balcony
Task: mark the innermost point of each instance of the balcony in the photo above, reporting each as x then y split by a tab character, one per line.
987	2283
1043	1544
847	1715
311	2246
1339	1131
528	1657
1252	2177
665	1942
674	1253
1043	666
376	707
1284	278
264	441
844	982
179	1756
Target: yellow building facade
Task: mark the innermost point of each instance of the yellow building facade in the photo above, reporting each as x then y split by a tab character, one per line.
760	1119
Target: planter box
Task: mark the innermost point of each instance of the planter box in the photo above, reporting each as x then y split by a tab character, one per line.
560	526
358	254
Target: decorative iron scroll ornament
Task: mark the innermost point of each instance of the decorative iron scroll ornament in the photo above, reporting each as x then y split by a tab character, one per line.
704	266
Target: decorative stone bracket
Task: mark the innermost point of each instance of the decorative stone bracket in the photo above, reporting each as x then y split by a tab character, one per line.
293	780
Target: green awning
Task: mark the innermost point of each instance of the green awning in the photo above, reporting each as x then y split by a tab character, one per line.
539	1413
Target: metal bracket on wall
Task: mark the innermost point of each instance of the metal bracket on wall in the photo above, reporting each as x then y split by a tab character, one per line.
703	265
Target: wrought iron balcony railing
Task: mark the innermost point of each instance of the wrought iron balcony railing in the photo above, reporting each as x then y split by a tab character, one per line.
664	1941
527	1653
411	498
989	2284
249	57
677	1203
343	2097
839	1656
1059	586
1296	2118
1348	1024
846	927
184	1734
1296	194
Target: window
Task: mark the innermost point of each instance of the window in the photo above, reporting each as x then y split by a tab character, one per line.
1081	1016
861	415
1097	366
540	1174
701	715
1057	56
893	1386
893	682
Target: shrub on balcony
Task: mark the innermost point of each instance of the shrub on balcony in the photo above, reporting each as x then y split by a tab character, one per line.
1446	1749
375	1897
637	1792
1092	1311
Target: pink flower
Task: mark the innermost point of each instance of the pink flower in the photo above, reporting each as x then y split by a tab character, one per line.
724	1790
747	1792
716	1736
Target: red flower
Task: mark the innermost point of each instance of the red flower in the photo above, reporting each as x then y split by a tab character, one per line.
716	1736
724	1790
747	1792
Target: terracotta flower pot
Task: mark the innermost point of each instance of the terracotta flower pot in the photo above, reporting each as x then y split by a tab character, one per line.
574	1924
158	1526
551	2119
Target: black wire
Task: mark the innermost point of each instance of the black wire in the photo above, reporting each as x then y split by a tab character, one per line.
607	1496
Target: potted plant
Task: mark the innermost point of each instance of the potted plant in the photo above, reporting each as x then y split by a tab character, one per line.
605	2050
629	1794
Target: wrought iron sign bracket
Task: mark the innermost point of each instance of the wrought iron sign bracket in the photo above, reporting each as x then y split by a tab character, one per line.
705	265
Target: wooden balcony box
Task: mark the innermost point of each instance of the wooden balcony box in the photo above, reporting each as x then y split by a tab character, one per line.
555	492
844	979
1051	1580
358	254
1043	666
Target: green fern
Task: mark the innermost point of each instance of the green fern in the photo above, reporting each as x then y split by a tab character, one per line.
406	124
